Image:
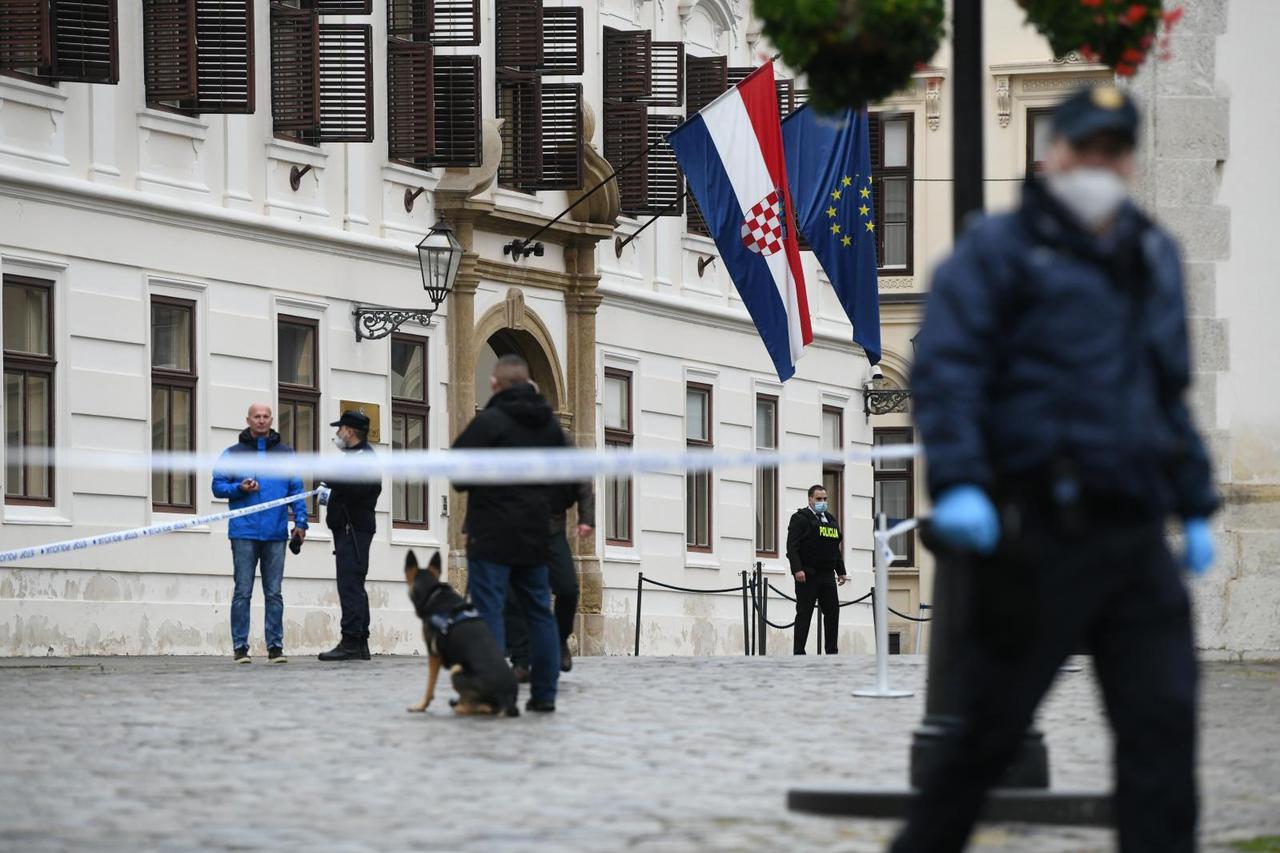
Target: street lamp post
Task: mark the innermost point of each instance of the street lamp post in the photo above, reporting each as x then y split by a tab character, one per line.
439	256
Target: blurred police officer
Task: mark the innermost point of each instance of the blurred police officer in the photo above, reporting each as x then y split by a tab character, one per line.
815	553
1049	386
350	515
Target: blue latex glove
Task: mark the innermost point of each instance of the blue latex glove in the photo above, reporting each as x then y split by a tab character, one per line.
965	518
1198	556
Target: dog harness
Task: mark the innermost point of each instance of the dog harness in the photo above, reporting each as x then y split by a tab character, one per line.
465	612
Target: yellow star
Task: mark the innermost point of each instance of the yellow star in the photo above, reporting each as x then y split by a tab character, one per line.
871	226
835	195
831	211
835	228
864	210
846	241
846	181
864	192
870	180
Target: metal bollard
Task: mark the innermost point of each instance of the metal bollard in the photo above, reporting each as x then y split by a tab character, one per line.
746	649
639	597
880	611
764	619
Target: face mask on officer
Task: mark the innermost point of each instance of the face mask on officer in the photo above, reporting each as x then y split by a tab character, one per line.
1090	178
820	506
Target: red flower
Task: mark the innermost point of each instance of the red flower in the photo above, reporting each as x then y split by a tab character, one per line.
1147	41
1132	56
1136	13
1125	70
1173	16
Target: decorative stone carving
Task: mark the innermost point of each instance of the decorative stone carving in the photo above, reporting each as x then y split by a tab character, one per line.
605	206
897	283
514	308
721	13
933	102
1004	102
1072	58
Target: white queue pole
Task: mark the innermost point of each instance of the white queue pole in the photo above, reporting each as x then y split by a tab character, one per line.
883	555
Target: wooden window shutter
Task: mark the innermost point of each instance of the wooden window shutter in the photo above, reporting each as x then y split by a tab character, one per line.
85	48
457	111
409	19
625	139
24	34
342	7
517	33
694	222
706	78
667	83
738	73
561	137
628	59
562	41
456	24
520	106
346	83
169	49
295	81
666	181
802	97
786	96
410	101
224	56
875	134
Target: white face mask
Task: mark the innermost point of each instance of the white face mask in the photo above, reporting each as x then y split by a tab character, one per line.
339	442
1092	195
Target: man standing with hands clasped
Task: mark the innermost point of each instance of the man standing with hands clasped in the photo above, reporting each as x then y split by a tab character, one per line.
815	552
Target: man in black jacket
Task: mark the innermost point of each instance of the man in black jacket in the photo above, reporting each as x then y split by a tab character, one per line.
816	555
350	515
507	525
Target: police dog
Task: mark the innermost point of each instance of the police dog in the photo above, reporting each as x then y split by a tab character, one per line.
457	638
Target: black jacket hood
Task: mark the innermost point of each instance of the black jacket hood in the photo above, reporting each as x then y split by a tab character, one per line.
523	405
246	437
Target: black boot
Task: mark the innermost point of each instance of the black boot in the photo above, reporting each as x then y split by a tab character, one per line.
348	649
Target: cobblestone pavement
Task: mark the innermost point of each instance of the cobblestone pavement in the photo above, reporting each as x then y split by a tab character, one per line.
656	754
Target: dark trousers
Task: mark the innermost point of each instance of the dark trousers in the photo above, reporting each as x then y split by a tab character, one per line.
1112	588
820	588
351	548
564	586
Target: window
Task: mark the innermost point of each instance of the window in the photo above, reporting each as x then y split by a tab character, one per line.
697	431
28	386
1039	135
321	73
895	642
197	55
892	172
641	77
833	471
173	398
619	432
895	492
298	371
542	132
433	102
766	478
68	40
409	411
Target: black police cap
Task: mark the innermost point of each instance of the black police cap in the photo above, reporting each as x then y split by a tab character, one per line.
353	419
1100	109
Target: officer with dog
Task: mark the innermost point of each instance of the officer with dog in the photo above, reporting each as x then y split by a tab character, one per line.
816	555
1049	390
350	515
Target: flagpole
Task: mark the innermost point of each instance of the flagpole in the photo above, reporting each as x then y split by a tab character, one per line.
620	243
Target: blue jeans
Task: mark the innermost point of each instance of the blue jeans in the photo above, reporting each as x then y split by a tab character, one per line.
246	555
487	583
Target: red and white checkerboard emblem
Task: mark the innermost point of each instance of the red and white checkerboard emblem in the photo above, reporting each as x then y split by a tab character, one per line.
763	230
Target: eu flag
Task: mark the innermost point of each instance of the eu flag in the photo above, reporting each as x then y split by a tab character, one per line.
829	169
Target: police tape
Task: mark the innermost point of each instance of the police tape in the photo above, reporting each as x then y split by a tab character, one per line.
142	532
469	466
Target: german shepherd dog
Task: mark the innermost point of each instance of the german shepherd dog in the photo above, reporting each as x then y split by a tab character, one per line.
457	638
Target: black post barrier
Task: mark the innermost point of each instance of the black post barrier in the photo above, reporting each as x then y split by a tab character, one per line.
874	626
764	619
639	597
809	616
755	625
746	649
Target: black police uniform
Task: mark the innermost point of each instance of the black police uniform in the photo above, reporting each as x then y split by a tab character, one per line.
350	515
1050	372
814	547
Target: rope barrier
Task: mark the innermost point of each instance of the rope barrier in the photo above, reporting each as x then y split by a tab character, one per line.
910	618
737	588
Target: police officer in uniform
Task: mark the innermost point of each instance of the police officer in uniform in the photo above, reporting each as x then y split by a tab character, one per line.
350	515
1048	391
817	564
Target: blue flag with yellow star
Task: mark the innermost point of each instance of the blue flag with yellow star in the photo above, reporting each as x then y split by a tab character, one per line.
829	169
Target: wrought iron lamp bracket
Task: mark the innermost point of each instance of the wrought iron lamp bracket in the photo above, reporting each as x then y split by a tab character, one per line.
372	322
885	401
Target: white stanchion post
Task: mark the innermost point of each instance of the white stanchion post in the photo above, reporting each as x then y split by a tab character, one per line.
882	557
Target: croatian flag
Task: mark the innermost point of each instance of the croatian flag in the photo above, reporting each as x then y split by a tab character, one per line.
732	157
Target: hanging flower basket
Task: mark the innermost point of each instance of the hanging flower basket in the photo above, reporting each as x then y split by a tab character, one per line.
853	51
1119	33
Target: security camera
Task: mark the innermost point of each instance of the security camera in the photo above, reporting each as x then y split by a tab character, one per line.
876	373
874	380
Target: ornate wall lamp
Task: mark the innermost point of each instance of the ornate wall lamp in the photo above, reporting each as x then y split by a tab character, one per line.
439	255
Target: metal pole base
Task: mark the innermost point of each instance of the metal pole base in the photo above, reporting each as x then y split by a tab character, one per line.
876	693
1061	808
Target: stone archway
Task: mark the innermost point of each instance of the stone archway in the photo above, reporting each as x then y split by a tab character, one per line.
512	329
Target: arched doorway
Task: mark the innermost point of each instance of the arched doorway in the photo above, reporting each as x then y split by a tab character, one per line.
512	329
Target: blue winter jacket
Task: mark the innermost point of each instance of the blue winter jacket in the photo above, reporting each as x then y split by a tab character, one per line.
1043	341
236	464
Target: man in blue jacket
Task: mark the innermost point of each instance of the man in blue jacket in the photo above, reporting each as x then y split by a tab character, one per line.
1049	384
258	539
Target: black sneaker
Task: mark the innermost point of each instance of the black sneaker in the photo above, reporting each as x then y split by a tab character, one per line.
566	659
540	707
242	655
275	654
347	650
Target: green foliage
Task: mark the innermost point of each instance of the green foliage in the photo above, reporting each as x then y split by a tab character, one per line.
853	51
1265	844
1118	33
